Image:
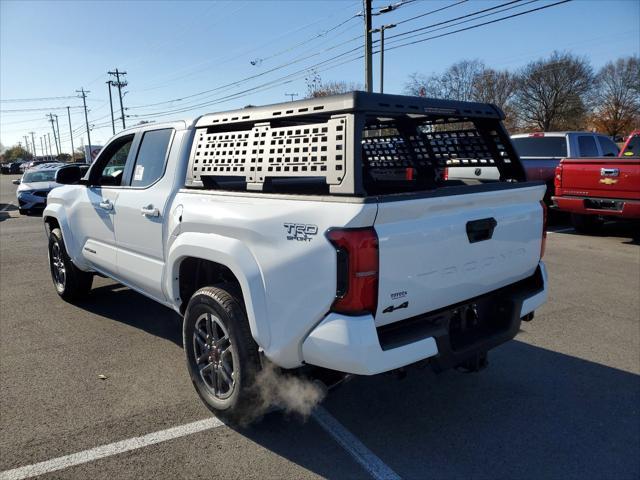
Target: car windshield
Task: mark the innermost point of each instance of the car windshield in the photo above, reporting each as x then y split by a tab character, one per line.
540	146
39	176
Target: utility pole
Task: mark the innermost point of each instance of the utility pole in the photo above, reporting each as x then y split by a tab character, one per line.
83	94
50	149
291	95
381	30
26	143
53	128
42	148
70	131
59	138
119	84
33	143
113	123
368	61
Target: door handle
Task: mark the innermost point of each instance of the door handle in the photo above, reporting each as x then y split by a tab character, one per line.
150	211
106	204
609	172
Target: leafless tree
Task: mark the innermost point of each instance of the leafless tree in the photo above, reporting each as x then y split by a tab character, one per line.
316	87
460	79
420	85
616	97
552	93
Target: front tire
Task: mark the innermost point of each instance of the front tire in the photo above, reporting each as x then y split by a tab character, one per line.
72	284
222	356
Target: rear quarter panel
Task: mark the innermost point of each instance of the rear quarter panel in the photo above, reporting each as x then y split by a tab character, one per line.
288	280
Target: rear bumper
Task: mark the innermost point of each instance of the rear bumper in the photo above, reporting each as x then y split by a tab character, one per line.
622	208
354	344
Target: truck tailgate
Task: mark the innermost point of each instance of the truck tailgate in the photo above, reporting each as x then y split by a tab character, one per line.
436	251
601	177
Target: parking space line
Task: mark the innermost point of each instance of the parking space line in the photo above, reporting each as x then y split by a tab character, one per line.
347	440
109	450
561	230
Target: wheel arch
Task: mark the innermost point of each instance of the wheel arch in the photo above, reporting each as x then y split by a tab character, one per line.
194	258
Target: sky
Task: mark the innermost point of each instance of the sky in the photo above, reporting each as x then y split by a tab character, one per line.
256	52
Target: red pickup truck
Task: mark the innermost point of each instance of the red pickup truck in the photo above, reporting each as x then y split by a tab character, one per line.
596	189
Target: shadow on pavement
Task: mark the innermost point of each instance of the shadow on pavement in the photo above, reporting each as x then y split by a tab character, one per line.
533	413
122	304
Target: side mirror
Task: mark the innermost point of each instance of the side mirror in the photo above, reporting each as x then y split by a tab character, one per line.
16	181
68	175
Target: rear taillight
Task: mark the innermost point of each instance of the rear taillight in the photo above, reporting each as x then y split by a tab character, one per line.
357	279
543	245
557	179
445	174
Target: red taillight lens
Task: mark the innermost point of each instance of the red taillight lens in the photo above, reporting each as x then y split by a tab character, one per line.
557	179
543	245
357	281
445	174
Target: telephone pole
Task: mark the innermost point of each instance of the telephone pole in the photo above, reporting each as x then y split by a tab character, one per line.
381	30
291	95
83	95
26	143
42	148
33	143
53	128
70	131
368	60
119	84
113	123
59	138
50	149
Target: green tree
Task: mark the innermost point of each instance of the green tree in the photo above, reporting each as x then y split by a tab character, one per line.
16	153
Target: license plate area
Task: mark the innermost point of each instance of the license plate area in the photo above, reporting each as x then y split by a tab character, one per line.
594	204
476	321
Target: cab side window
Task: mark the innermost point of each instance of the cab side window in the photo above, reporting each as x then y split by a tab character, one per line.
609	149
109	169
151	158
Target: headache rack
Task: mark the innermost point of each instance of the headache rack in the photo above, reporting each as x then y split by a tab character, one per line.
353	144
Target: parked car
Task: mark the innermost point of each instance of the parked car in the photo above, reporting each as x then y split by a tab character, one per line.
35	185
596	189
27	165
11	167
317	233
540	153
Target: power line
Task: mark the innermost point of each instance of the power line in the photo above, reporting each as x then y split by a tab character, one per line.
480	24
431	12
33	99
35	109
430	28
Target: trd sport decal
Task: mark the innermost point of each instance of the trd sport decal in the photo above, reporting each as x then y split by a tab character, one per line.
300	232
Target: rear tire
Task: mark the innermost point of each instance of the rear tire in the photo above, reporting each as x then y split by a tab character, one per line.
71	283
22	211
222	356
586	223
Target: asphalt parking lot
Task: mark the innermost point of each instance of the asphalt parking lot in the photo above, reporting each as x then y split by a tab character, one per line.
561	401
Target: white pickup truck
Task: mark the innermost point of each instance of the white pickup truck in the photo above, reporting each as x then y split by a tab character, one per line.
313	233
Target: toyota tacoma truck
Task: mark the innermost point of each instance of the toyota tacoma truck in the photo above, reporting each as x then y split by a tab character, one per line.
594	190
317	234
540	153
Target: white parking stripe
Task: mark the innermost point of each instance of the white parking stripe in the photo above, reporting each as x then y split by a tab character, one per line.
365	457
109	450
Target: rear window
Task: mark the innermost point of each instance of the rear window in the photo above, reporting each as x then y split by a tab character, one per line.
540	146
633	147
